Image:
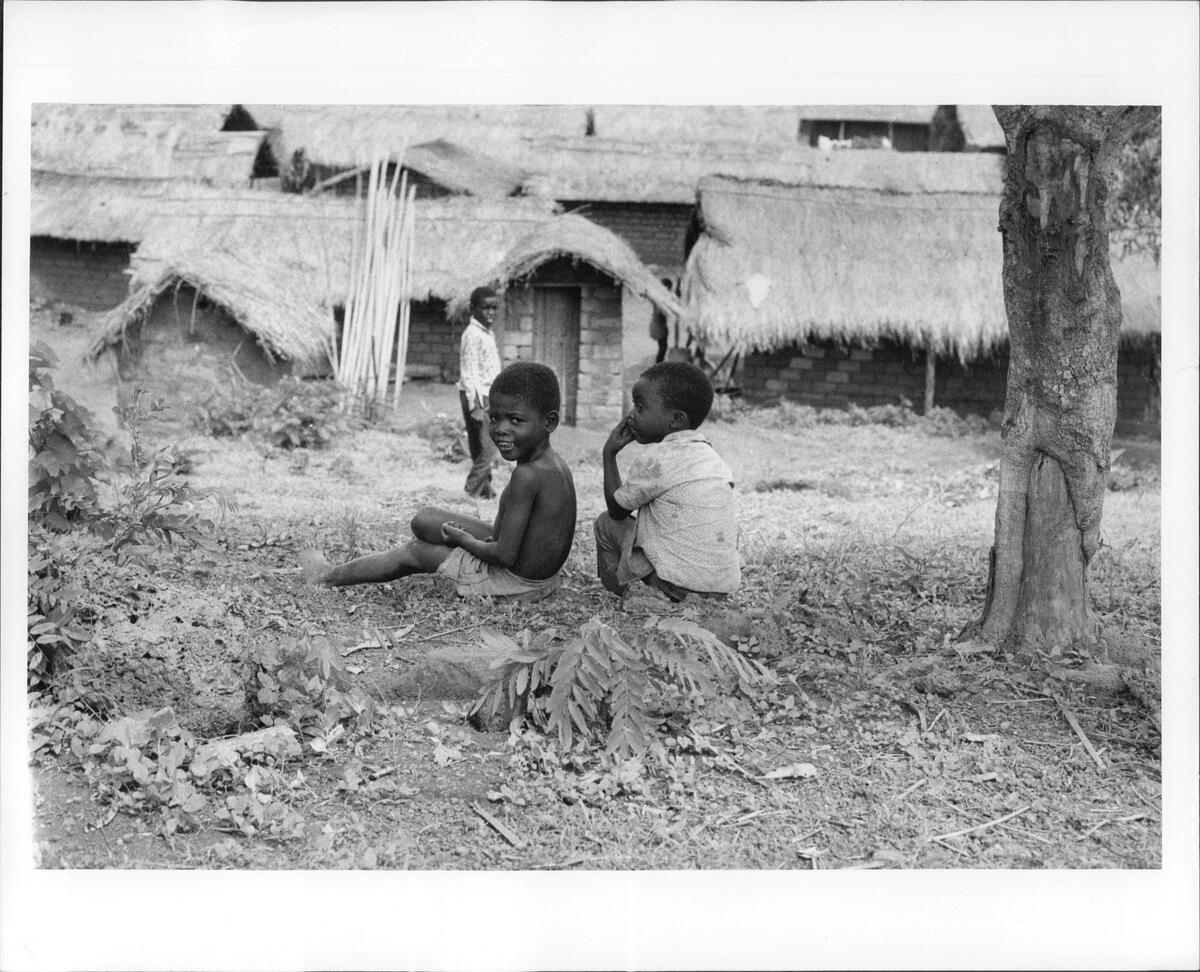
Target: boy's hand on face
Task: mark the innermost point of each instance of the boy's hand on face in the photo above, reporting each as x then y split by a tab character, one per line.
620	437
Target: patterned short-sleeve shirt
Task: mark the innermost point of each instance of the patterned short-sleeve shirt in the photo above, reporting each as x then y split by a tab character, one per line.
478	362
686	509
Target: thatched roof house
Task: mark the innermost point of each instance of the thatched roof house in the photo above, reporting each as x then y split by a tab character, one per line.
916	258
182	142
580	240
280	263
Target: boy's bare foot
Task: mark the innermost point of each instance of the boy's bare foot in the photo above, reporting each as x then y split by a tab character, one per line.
314	568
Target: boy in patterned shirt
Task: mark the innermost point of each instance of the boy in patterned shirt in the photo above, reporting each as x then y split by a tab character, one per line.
478	365
683	538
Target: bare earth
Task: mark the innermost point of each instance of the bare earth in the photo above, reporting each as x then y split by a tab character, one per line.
865	551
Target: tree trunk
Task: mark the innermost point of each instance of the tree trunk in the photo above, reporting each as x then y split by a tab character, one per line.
1064	320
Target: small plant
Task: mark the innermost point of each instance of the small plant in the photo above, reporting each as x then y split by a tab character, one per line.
601	685
66	463
157	505
306	686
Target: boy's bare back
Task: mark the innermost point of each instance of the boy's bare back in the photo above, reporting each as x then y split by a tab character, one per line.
549	486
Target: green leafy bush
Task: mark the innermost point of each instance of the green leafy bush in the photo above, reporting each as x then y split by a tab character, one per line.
292	414
603	686
67	467
66	463
306	686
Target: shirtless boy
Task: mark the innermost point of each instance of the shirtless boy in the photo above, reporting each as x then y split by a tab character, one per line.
521	555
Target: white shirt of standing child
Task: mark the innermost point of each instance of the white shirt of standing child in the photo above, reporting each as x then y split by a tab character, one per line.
686	512
478	362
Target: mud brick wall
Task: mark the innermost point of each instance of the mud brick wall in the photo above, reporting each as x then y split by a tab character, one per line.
832	376
88	275
656	231
599	394
829	375
432	341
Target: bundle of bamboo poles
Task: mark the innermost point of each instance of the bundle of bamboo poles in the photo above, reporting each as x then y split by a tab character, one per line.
375	329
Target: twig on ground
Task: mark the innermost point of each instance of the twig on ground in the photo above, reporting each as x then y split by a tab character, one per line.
982	826
1087	743
757	813
496	825
1126	819
439	634
945	843
919	783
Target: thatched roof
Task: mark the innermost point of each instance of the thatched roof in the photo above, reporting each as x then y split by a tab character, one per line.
895	114
142	142
781	264
350	135
604	170
980	128
580	239
462	170
105	209
760	125
279	263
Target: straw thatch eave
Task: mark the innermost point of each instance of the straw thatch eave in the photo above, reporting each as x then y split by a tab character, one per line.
106	209
606	170
580	239
141	142
778	265
281	263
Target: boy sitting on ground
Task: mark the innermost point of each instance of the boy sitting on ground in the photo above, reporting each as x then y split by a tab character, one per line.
683	538
519	556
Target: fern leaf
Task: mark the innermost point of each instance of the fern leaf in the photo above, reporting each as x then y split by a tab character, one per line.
632	726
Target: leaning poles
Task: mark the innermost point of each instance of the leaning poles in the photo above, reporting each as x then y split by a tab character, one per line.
375	328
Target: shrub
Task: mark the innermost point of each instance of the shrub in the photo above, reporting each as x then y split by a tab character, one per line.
306	686
602	685
293	414
66	463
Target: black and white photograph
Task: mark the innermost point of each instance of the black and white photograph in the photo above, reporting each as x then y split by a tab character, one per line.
496	499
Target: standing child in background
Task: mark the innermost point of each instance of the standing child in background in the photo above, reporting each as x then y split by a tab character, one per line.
658	325
683	538
478	364
521	554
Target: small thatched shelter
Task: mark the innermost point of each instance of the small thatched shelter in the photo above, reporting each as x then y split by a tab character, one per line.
564	286
833	293
279	265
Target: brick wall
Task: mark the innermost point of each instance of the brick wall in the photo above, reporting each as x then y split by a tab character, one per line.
600	364
828	375
656	231
88	275
432	341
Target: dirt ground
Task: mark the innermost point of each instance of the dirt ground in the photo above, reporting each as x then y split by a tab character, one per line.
865	554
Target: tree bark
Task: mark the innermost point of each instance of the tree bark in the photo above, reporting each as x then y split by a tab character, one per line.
1064	320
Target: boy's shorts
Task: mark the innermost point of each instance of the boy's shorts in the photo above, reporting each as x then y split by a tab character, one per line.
473	578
